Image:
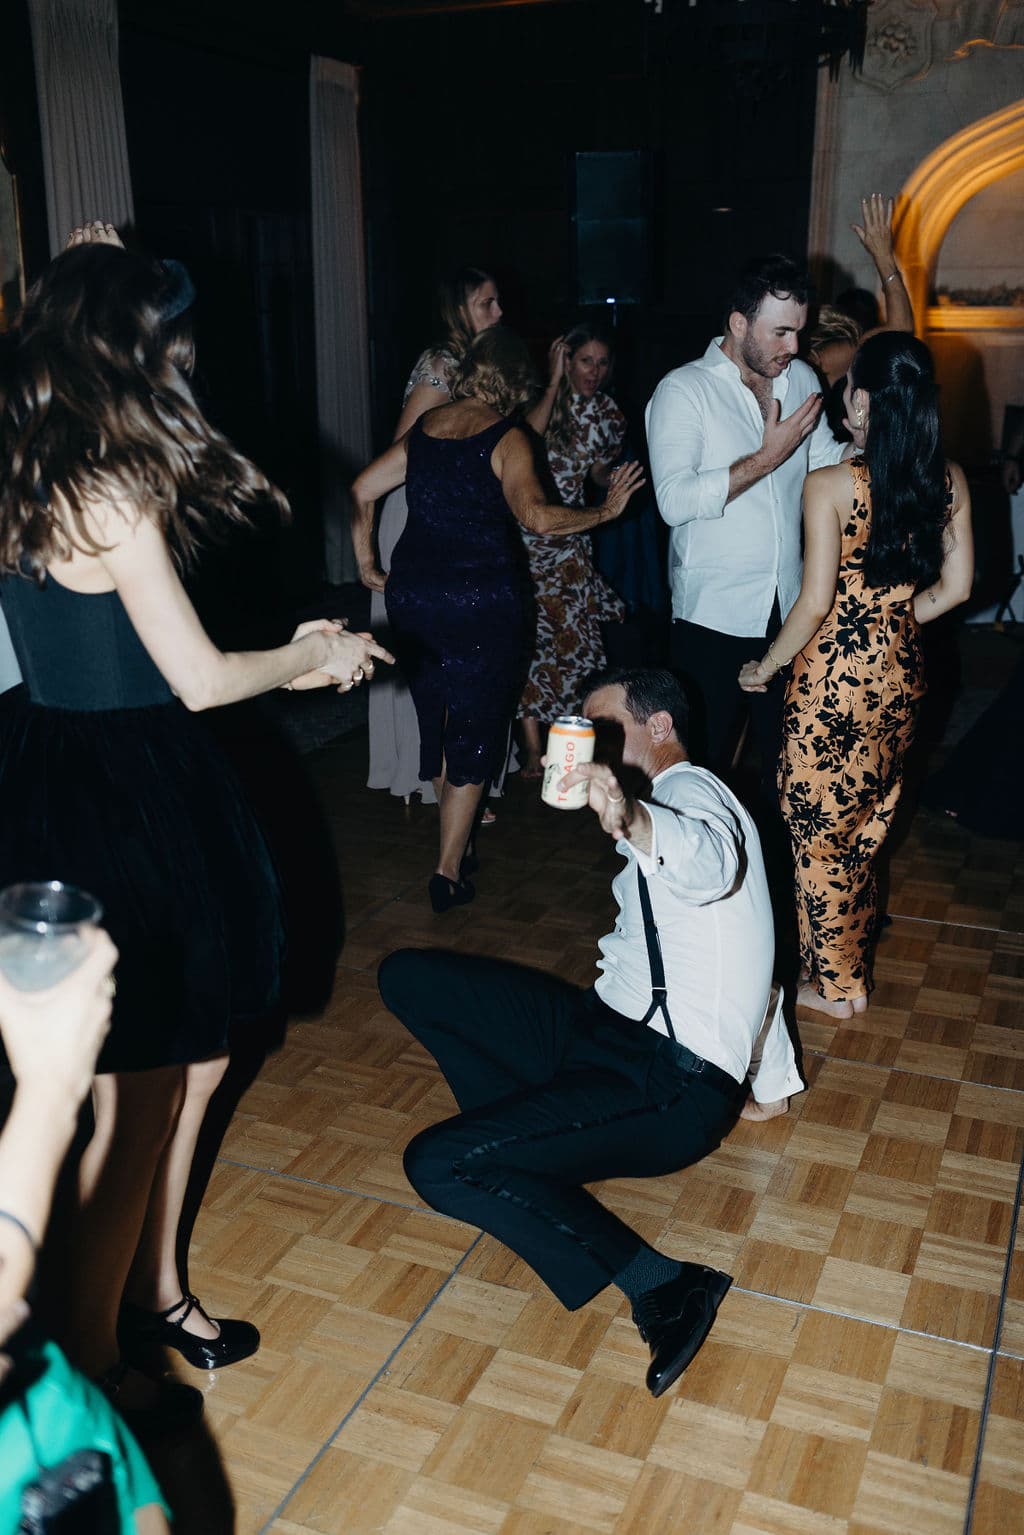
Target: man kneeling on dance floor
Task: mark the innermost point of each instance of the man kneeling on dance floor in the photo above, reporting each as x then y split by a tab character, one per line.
638	1076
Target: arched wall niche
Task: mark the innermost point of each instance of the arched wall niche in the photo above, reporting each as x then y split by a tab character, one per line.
931	198
979	352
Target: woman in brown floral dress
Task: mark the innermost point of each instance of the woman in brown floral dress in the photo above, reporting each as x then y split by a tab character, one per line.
583	432
887	547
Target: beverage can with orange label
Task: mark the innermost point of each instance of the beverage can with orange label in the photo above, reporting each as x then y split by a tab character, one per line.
570	742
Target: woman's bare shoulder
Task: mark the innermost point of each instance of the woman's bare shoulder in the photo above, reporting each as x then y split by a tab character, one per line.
958	483
833	482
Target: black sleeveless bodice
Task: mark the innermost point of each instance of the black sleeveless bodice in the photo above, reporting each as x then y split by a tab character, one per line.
109	783
78	650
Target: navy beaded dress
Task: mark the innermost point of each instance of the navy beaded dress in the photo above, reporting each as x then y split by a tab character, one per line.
457	598
107	782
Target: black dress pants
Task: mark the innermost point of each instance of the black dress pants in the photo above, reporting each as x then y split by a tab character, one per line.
556	1090
709	663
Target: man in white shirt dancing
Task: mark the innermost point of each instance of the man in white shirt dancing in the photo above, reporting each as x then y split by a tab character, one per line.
732	437
636	1077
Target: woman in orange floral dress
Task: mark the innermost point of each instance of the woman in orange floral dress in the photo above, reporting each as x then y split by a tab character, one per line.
887	547
583	432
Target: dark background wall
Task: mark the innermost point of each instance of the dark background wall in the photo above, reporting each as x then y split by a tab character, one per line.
471	124
471	118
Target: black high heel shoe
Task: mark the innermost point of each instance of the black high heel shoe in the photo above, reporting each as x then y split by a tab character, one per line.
446	893
142	1334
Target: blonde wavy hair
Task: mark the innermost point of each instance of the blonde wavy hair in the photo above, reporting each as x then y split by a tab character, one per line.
497	370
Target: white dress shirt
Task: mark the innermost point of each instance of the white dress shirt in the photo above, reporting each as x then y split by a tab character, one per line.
726	562
710	901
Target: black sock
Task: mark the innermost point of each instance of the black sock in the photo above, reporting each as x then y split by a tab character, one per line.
646	1271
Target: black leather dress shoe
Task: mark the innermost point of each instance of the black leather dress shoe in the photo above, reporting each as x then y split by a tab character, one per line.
675	1318
142	1334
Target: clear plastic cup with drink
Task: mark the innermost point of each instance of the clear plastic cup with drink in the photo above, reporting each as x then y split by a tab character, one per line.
41	932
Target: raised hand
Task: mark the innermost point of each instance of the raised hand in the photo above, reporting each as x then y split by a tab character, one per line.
556	361
622	483
875	233
781	438
96	233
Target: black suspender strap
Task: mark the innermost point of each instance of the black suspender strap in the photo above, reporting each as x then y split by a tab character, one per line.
659	991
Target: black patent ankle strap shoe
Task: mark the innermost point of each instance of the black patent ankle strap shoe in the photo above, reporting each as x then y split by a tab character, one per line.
142	1334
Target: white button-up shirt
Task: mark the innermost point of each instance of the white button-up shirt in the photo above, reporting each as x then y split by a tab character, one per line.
726	562
709	897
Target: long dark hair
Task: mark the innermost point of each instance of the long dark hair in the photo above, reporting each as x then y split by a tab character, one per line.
559	431
95	405
904	456
453	294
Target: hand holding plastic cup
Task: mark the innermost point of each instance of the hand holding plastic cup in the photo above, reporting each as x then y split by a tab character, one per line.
41	932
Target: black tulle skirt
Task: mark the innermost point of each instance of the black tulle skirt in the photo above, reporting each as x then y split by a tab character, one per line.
139	807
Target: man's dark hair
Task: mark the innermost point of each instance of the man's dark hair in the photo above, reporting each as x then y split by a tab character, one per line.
647	690
777	275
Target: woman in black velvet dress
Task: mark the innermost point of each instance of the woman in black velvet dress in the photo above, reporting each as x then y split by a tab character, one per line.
457	591
108	782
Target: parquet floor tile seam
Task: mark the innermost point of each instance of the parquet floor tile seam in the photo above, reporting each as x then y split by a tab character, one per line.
908	1071
378	1375
316	1183
986	1403
973	927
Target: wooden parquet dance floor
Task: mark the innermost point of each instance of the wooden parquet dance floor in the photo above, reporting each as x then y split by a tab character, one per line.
866	1373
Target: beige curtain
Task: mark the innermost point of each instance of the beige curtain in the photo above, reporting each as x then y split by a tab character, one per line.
81	116
339	299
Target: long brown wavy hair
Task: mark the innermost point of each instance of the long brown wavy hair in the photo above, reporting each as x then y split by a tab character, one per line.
453	295
95	405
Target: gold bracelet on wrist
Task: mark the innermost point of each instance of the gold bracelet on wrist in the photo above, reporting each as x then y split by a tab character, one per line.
778	664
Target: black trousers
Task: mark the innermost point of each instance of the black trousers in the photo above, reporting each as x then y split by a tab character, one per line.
556	1090
709	663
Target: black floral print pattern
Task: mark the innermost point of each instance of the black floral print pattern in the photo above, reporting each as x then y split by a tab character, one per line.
850	711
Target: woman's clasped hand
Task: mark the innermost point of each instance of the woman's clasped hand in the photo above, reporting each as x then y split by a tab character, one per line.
348	659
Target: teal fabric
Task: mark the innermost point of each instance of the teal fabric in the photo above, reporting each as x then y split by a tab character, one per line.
48	1410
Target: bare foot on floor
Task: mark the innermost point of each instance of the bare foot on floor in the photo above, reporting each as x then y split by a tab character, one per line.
760	1111
808	996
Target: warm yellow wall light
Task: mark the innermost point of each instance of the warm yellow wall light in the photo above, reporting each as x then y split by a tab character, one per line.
948	178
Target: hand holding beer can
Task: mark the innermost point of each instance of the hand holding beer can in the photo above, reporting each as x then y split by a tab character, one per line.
570	742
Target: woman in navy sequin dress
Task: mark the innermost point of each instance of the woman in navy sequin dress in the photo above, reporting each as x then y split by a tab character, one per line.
458	594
